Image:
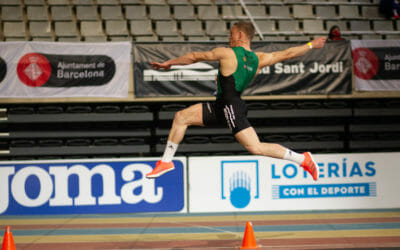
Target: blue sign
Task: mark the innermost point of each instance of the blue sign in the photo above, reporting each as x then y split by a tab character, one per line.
324	190
76	187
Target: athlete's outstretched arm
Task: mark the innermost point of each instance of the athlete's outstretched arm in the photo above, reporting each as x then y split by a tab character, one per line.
191	57
267	59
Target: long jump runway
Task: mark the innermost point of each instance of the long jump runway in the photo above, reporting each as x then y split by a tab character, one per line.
345	229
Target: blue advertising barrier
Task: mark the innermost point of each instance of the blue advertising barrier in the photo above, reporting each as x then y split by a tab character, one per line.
90	186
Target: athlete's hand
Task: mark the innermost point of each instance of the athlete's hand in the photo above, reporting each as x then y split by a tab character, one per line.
156	65
318	42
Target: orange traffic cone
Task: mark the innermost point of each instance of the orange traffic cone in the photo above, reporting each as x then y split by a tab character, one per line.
8	241
249	241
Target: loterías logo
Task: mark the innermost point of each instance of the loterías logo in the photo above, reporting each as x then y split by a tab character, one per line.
49	70
240	182
366	63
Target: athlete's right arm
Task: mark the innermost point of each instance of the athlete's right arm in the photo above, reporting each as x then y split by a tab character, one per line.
267	59
192	57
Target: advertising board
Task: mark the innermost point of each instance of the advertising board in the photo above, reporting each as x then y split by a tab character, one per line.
49	69
253	183
90	186
376	65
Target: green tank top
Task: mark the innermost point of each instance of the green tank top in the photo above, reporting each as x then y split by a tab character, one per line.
245	71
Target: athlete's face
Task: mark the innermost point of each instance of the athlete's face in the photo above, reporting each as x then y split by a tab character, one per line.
234	37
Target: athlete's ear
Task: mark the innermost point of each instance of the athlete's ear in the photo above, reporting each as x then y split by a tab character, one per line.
241	35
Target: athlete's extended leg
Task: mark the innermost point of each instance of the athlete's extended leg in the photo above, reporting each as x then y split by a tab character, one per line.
249	139
189	116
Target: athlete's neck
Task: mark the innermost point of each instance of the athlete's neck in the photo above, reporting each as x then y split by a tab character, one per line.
245	45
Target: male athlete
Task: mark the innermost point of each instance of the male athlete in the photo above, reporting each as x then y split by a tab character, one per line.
237	67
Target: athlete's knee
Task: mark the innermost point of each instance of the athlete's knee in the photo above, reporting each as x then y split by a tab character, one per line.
181	117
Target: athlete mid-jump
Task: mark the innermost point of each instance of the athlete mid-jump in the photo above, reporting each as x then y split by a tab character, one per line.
237	67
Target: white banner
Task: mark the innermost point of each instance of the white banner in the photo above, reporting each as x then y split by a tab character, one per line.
376	65
47	69
252	183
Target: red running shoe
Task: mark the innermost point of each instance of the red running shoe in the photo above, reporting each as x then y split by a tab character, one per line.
160	169
310	165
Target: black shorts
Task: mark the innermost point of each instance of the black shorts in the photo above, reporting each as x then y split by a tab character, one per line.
232	114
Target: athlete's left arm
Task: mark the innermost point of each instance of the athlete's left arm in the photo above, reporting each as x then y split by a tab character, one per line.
192	57
267	59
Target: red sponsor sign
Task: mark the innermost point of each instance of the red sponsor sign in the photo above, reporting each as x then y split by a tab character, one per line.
34	69
366	63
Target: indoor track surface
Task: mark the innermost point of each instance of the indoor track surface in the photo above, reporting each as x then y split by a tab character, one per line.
344	229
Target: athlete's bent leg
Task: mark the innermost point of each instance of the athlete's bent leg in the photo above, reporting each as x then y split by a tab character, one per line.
192	115
249	139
